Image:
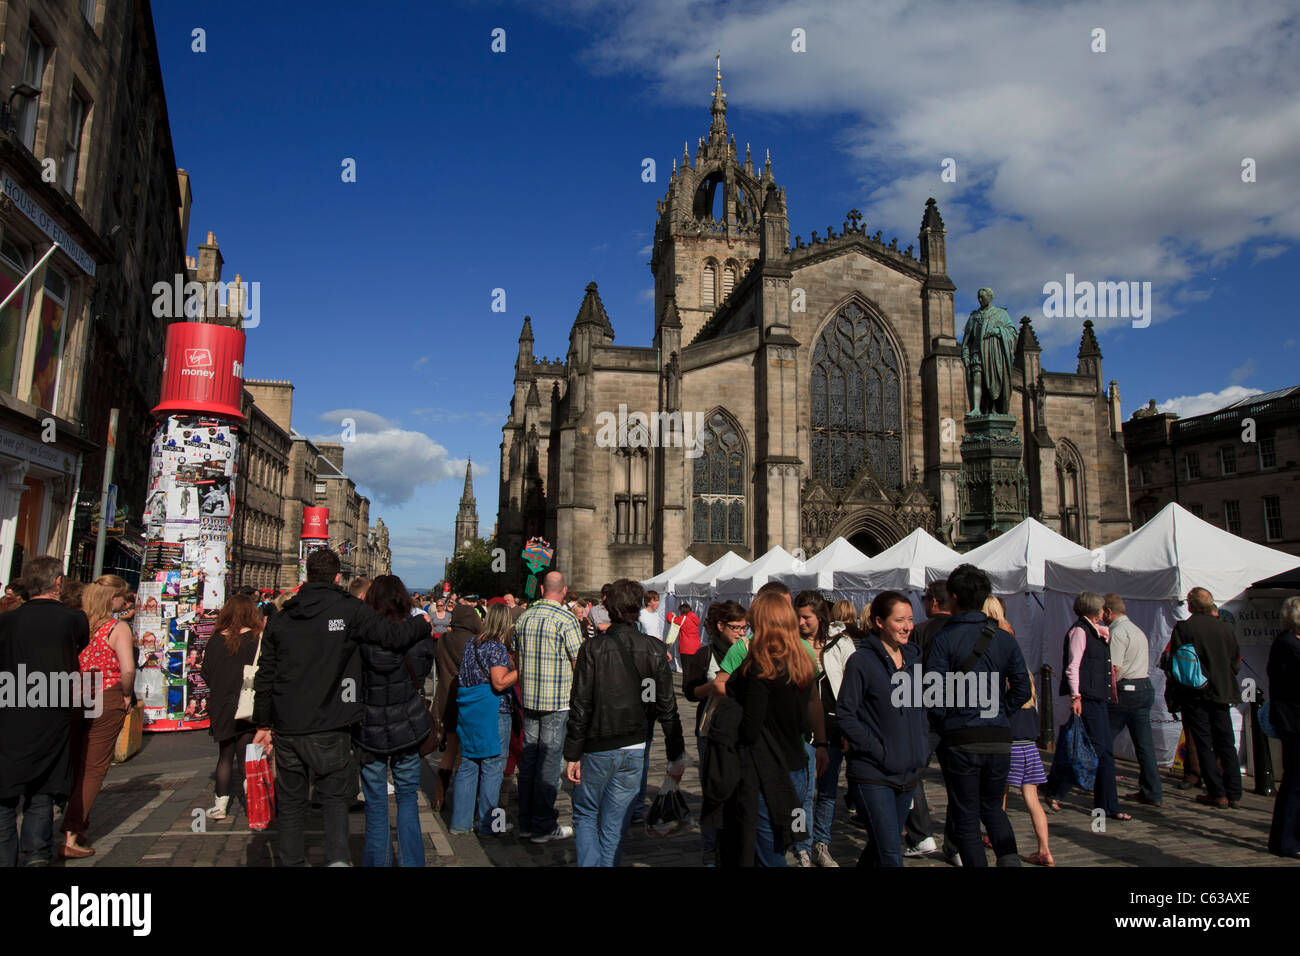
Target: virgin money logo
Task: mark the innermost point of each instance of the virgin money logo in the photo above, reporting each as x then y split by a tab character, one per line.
198	358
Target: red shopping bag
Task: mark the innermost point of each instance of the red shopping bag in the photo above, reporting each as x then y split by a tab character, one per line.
259	787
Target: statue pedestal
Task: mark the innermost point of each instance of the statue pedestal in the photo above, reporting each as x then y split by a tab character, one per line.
993	489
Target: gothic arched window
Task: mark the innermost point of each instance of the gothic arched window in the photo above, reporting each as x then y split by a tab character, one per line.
708	284
631	496
1070	493
728	279
718	498
857	406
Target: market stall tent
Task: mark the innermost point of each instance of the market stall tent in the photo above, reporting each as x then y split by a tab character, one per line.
742	585
697	589
818	572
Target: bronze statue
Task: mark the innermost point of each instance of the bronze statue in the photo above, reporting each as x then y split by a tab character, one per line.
987	346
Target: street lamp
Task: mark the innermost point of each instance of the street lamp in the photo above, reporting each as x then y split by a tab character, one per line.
26	91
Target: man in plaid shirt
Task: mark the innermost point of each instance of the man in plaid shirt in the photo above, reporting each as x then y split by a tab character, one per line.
548	637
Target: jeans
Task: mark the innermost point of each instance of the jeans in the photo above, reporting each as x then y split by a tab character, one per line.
540	769
328	755
1211	727
374	784
708	835
1284	833
1134	712
638	805
37	839
827	785
976	785
886	811
484	775
809	796
768	851
601	802
1096	720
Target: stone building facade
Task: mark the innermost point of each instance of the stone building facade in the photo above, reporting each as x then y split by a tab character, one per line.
259	532
1237	467
827	375
85	157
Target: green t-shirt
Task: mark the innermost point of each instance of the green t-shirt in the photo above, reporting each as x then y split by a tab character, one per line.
740	649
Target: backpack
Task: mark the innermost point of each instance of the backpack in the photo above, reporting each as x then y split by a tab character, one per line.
1185	666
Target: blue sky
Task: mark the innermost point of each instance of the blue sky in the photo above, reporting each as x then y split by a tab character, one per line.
522	170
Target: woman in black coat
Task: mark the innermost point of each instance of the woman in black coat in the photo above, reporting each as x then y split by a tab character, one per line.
235	639
393	725
1284	710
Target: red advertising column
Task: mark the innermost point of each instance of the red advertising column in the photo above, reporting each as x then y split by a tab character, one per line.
315	535
188	520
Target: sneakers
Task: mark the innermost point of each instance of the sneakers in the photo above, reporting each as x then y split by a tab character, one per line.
928	845
802	858
559	833
218	810
821	855
950	855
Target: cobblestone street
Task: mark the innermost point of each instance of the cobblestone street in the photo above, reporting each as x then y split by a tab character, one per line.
146	814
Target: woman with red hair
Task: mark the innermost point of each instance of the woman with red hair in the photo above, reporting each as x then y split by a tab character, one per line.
774	686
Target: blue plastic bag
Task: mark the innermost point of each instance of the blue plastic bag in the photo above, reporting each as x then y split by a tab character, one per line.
1079	750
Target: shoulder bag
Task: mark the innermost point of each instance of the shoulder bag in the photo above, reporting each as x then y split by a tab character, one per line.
244	709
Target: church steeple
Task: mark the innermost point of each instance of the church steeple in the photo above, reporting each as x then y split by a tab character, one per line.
467	516
709	225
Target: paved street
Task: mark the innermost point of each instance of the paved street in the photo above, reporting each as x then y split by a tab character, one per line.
145	817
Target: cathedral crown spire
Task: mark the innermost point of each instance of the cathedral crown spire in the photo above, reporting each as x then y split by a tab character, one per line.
718	128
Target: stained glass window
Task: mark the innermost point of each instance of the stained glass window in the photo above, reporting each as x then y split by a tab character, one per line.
856	401
718	495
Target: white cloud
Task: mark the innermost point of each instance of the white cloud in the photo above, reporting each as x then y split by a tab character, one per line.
1269	252
1121	165
365	421
1186	406
646	295
645	252
389	465
1243	371
422	361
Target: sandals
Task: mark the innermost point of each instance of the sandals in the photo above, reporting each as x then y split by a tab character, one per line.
1040	859
1052	806
1122	816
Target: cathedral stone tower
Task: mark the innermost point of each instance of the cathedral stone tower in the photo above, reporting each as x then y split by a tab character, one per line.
467	516
708	231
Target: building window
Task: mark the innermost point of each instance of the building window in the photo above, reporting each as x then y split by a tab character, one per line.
33	73
1144	473
1267	453
728	280
13	319
72	143
718	496
1071	496
708	285
1197	510
857	418
49	341
1232	516
1227	460
1272	518
1193	462
320	489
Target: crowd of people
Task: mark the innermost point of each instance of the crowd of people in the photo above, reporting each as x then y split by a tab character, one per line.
355	685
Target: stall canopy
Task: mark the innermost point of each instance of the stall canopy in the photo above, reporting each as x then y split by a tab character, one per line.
742	585
1014	559
1165	558
818	572
698	587
666	581
901	566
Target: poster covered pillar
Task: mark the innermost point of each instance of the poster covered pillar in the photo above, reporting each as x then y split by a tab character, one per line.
188	511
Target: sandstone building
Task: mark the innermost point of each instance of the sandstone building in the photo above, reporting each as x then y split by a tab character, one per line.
1236	467
828	375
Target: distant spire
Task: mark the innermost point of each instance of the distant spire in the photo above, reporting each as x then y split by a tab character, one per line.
526	335
468	494
931	218
1028	341
592	310
1088	344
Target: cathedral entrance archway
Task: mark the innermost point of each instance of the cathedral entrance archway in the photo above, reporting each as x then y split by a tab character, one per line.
870	530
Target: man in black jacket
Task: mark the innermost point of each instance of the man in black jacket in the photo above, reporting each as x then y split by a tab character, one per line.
621	683
308	691
1207	711
40	637
975	734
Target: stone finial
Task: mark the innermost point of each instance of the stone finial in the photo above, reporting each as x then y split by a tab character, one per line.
854	218
931	219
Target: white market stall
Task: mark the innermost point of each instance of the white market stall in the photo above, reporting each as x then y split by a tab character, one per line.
665	582
900	567
1152	569
697	589
742	585
818	572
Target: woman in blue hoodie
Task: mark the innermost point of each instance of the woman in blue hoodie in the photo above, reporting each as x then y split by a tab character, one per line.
880	713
